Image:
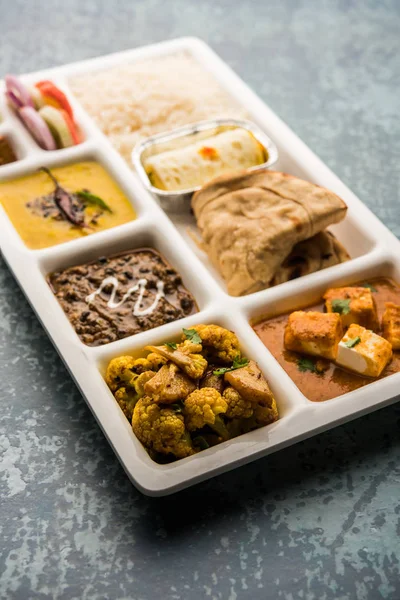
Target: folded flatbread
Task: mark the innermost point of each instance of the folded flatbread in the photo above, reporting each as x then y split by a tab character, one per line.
319	252
254	225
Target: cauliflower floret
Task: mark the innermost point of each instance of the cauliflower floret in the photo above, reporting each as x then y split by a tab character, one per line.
141	365
156	361
142	379
161	429
128	396
238	407
127	400
119	372
124	370
219	344
152	362
197	366
263	415
189	347
204	407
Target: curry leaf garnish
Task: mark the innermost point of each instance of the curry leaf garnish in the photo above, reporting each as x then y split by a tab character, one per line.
353	342
63	201
201	442
171	345
341	306
369	286
90	198
238	363
192	335
306	364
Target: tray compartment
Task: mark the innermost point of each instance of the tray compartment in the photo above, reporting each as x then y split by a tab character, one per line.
133	236
154	478
21	141
385	268
11	115
71	156
15	142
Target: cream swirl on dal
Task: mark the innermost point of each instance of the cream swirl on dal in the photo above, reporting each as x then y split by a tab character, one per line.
140	286
121	295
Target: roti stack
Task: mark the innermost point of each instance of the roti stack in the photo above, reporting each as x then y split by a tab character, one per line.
266	227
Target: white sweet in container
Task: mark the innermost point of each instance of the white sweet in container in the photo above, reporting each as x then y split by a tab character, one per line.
174	164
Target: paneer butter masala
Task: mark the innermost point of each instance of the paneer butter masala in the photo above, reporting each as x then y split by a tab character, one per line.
347	340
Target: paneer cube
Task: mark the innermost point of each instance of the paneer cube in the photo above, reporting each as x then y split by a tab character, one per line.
313	333
354	305
363	351
391	324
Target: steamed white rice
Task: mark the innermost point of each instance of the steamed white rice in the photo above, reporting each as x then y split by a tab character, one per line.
133	101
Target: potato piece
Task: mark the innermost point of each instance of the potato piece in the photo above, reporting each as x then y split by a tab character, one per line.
193	364
391	324
251	384
354	305
313	333
363	351
211	380
169	385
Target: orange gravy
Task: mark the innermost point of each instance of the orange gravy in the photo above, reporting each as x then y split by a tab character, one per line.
335	381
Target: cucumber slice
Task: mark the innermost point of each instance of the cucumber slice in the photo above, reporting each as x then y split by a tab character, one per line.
58	126
36	96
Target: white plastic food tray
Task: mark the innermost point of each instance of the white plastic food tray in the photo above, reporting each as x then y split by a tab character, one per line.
374	249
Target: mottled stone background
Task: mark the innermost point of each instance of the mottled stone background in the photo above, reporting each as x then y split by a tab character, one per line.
320	520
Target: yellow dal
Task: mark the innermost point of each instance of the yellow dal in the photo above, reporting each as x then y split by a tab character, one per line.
39	232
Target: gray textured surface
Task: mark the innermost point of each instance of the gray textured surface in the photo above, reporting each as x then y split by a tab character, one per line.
318	521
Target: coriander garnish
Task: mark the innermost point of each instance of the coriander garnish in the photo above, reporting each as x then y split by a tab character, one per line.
171	345
353	342
192	335
306	364
369	286
238	363
341	306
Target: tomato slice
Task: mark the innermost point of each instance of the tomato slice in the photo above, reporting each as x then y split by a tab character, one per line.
47	88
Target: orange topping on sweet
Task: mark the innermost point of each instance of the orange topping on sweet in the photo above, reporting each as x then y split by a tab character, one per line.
209	153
